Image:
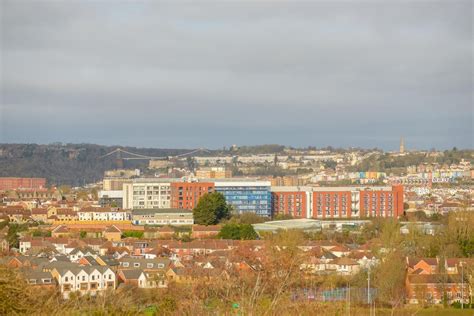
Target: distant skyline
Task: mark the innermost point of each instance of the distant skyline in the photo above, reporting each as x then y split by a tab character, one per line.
168	74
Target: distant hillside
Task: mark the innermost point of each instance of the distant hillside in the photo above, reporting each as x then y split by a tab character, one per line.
72	164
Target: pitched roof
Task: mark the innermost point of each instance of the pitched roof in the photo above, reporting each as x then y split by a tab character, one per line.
112	229
60	229
345	261
133	274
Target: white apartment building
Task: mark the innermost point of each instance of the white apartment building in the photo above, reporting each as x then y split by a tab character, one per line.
147	193
103	214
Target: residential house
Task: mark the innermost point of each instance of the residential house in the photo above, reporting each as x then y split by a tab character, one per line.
434	288
39	214
61	231
103	214
422	265
39	279
135	277
86	280
112	233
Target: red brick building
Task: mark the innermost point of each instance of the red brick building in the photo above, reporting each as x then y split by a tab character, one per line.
293	203
382	203
22	183
185	195
429	281
337	202
332	203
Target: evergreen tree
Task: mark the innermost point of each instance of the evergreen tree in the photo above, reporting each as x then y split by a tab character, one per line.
211	209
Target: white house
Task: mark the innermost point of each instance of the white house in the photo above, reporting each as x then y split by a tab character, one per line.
103	214
85	280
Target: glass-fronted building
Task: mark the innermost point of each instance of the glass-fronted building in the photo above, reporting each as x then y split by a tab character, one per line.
247	196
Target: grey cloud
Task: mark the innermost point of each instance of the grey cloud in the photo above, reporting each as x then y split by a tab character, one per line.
303	73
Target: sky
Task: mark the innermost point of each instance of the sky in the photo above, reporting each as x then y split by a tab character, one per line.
188	74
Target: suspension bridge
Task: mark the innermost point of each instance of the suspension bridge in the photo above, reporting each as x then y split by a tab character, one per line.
122	154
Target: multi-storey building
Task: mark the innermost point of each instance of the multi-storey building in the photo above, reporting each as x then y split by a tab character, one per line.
22	183
185	195
147	193
287	181
213	173
291	201
383	202
113	184
246	195
338	202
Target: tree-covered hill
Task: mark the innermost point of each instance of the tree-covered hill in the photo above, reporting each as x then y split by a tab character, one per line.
72	164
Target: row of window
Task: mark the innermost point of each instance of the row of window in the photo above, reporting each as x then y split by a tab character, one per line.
137	265
66	279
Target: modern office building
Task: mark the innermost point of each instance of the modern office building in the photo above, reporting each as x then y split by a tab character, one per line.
186	195
146	193
246	195
338	202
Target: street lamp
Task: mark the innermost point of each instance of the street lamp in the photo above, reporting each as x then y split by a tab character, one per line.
462	284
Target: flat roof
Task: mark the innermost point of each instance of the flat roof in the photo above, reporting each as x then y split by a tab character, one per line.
155	180
160	211
288	224
329	189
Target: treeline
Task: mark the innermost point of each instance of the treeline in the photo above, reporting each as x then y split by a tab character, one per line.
260	149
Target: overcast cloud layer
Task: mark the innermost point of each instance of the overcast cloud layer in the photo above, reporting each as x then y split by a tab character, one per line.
215	73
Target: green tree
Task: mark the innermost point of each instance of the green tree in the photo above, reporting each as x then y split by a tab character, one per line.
247	232
132	234
13	234
238	232
211	209
230	231
13	288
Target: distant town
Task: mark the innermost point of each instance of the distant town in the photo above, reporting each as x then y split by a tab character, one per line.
396	226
